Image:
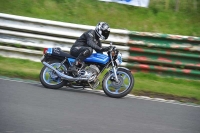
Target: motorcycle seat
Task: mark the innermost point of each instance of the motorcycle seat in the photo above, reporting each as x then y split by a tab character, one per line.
65	54
57	51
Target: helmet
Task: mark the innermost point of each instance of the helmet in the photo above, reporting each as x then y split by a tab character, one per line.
102	30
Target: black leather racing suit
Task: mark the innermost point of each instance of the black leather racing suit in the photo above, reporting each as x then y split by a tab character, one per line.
84	45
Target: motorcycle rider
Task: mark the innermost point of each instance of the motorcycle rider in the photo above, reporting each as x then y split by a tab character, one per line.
89	40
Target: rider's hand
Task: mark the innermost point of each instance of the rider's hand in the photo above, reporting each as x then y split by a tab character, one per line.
106	48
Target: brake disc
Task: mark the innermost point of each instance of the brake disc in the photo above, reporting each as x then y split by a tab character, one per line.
119	83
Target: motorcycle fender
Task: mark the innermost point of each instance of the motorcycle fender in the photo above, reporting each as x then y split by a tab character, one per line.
110	71
45	57
124	68
42	58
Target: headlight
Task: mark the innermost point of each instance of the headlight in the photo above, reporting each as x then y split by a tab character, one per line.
119	59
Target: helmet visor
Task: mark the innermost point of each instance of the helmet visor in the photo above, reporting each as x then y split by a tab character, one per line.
105	33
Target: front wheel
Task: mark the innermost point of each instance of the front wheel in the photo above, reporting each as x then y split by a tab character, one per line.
121	88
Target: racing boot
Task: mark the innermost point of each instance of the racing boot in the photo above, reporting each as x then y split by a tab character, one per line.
74	68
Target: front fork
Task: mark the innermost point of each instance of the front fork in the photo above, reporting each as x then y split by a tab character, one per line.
115	73
114	69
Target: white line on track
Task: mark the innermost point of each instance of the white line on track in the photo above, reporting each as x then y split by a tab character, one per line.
101	92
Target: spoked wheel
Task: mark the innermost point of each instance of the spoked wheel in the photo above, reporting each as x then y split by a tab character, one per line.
122	87
50	79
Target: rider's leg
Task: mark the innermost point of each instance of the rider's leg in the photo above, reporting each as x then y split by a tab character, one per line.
84	53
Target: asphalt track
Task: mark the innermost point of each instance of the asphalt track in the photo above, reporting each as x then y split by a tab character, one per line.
31	108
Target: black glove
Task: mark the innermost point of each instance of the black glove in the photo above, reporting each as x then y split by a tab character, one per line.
106	49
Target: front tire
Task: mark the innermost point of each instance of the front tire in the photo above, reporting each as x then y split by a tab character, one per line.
50	79
118	89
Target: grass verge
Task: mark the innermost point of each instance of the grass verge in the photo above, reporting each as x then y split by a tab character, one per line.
160	16
145	84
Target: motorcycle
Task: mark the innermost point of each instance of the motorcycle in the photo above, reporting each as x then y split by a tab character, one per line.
116	83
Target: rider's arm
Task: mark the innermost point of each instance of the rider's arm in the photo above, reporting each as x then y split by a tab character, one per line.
92	42
100	45
95	44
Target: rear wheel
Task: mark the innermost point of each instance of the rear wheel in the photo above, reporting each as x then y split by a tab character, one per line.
121	88
49	78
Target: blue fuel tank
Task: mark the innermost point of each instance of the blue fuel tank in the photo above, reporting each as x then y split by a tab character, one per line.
94	58
98	58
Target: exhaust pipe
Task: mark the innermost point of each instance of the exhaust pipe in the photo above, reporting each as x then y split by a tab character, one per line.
63	76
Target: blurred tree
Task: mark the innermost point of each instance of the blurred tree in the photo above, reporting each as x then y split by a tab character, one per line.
177	6
195	4
166	4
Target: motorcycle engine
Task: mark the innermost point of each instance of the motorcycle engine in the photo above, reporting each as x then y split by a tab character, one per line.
90	72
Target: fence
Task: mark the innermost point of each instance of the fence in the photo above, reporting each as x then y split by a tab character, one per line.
23	37
24	32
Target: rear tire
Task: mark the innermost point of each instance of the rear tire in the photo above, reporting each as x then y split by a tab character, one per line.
50	79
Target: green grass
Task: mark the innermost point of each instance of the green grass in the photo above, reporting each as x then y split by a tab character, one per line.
167	85
19	68
159	17
145	84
